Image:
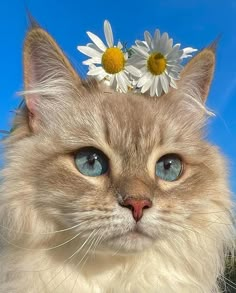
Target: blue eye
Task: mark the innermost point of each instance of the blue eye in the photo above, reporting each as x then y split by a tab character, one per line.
169	167
91	162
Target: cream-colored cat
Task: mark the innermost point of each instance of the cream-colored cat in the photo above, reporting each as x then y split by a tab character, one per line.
107	192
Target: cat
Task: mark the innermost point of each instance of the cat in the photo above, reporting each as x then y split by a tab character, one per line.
110	192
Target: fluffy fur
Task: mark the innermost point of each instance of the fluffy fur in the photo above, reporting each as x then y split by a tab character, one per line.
65	232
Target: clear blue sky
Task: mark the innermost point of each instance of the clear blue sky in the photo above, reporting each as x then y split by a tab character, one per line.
192	23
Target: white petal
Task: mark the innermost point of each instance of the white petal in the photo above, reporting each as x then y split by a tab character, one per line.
88	61
176	68
142	44
144	79
108	34
156	40
101	76
169	46
187	52
173	62
164	43
148	39
113	81
135	58
153	88
173	84
92	66
174	50
119	45
164	83
140	51
93	46
147	85
97	41
159	88
89	51
94	60
175	55
172	74
96	71
127	79
139	64
121	82
133	70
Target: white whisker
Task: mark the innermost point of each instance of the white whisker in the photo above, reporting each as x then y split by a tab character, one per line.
92	240
69	259
41	249
45	233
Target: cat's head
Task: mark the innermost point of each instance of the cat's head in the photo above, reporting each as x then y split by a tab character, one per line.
127	168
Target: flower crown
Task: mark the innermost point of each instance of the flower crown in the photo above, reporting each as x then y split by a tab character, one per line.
151	65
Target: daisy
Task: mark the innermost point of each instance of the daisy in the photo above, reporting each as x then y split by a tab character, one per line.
159	62
109	63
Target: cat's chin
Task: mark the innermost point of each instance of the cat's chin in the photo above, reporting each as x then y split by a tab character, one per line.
130	242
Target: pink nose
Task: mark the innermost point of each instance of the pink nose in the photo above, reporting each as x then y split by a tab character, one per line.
137	206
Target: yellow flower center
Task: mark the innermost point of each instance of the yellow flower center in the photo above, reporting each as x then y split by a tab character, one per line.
156	63
113	60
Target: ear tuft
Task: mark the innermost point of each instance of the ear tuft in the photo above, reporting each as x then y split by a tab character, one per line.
197	75
214	45
31	20
47	72
43	58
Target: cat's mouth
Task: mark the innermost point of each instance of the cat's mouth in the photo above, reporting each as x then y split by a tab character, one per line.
136	232
134	240
139	233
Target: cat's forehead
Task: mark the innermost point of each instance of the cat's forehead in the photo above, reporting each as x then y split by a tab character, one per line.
129	121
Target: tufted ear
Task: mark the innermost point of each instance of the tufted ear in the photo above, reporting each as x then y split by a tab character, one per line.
197	75
47	73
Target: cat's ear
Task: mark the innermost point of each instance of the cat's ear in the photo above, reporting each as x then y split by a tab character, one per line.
47	72
197	75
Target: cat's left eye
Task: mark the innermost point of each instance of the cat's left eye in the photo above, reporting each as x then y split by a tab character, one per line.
91	162
169	167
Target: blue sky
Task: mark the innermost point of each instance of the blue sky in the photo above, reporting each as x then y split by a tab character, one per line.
193	23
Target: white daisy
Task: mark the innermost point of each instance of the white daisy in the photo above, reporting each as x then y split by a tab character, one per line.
111	62
159	62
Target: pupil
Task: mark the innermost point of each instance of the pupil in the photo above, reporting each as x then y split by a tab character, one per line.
167	165
91	159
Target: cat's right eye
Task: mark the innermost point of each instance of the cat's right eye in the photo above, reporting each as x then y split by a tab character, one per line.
91	162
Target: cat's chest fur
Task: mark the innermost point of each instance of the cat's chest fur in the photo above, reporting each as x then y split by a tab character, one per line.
146	272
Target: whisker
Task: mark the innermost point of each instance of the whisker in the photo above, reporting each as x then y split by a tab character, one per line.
99	241
79	261
41	249
116	252
69	259
181	212
214	222
228	282
87	252
43	269
44	233
186	227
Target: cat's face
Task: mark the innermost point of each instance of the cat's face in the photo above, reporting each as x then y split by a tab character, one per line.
133	134
130	169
